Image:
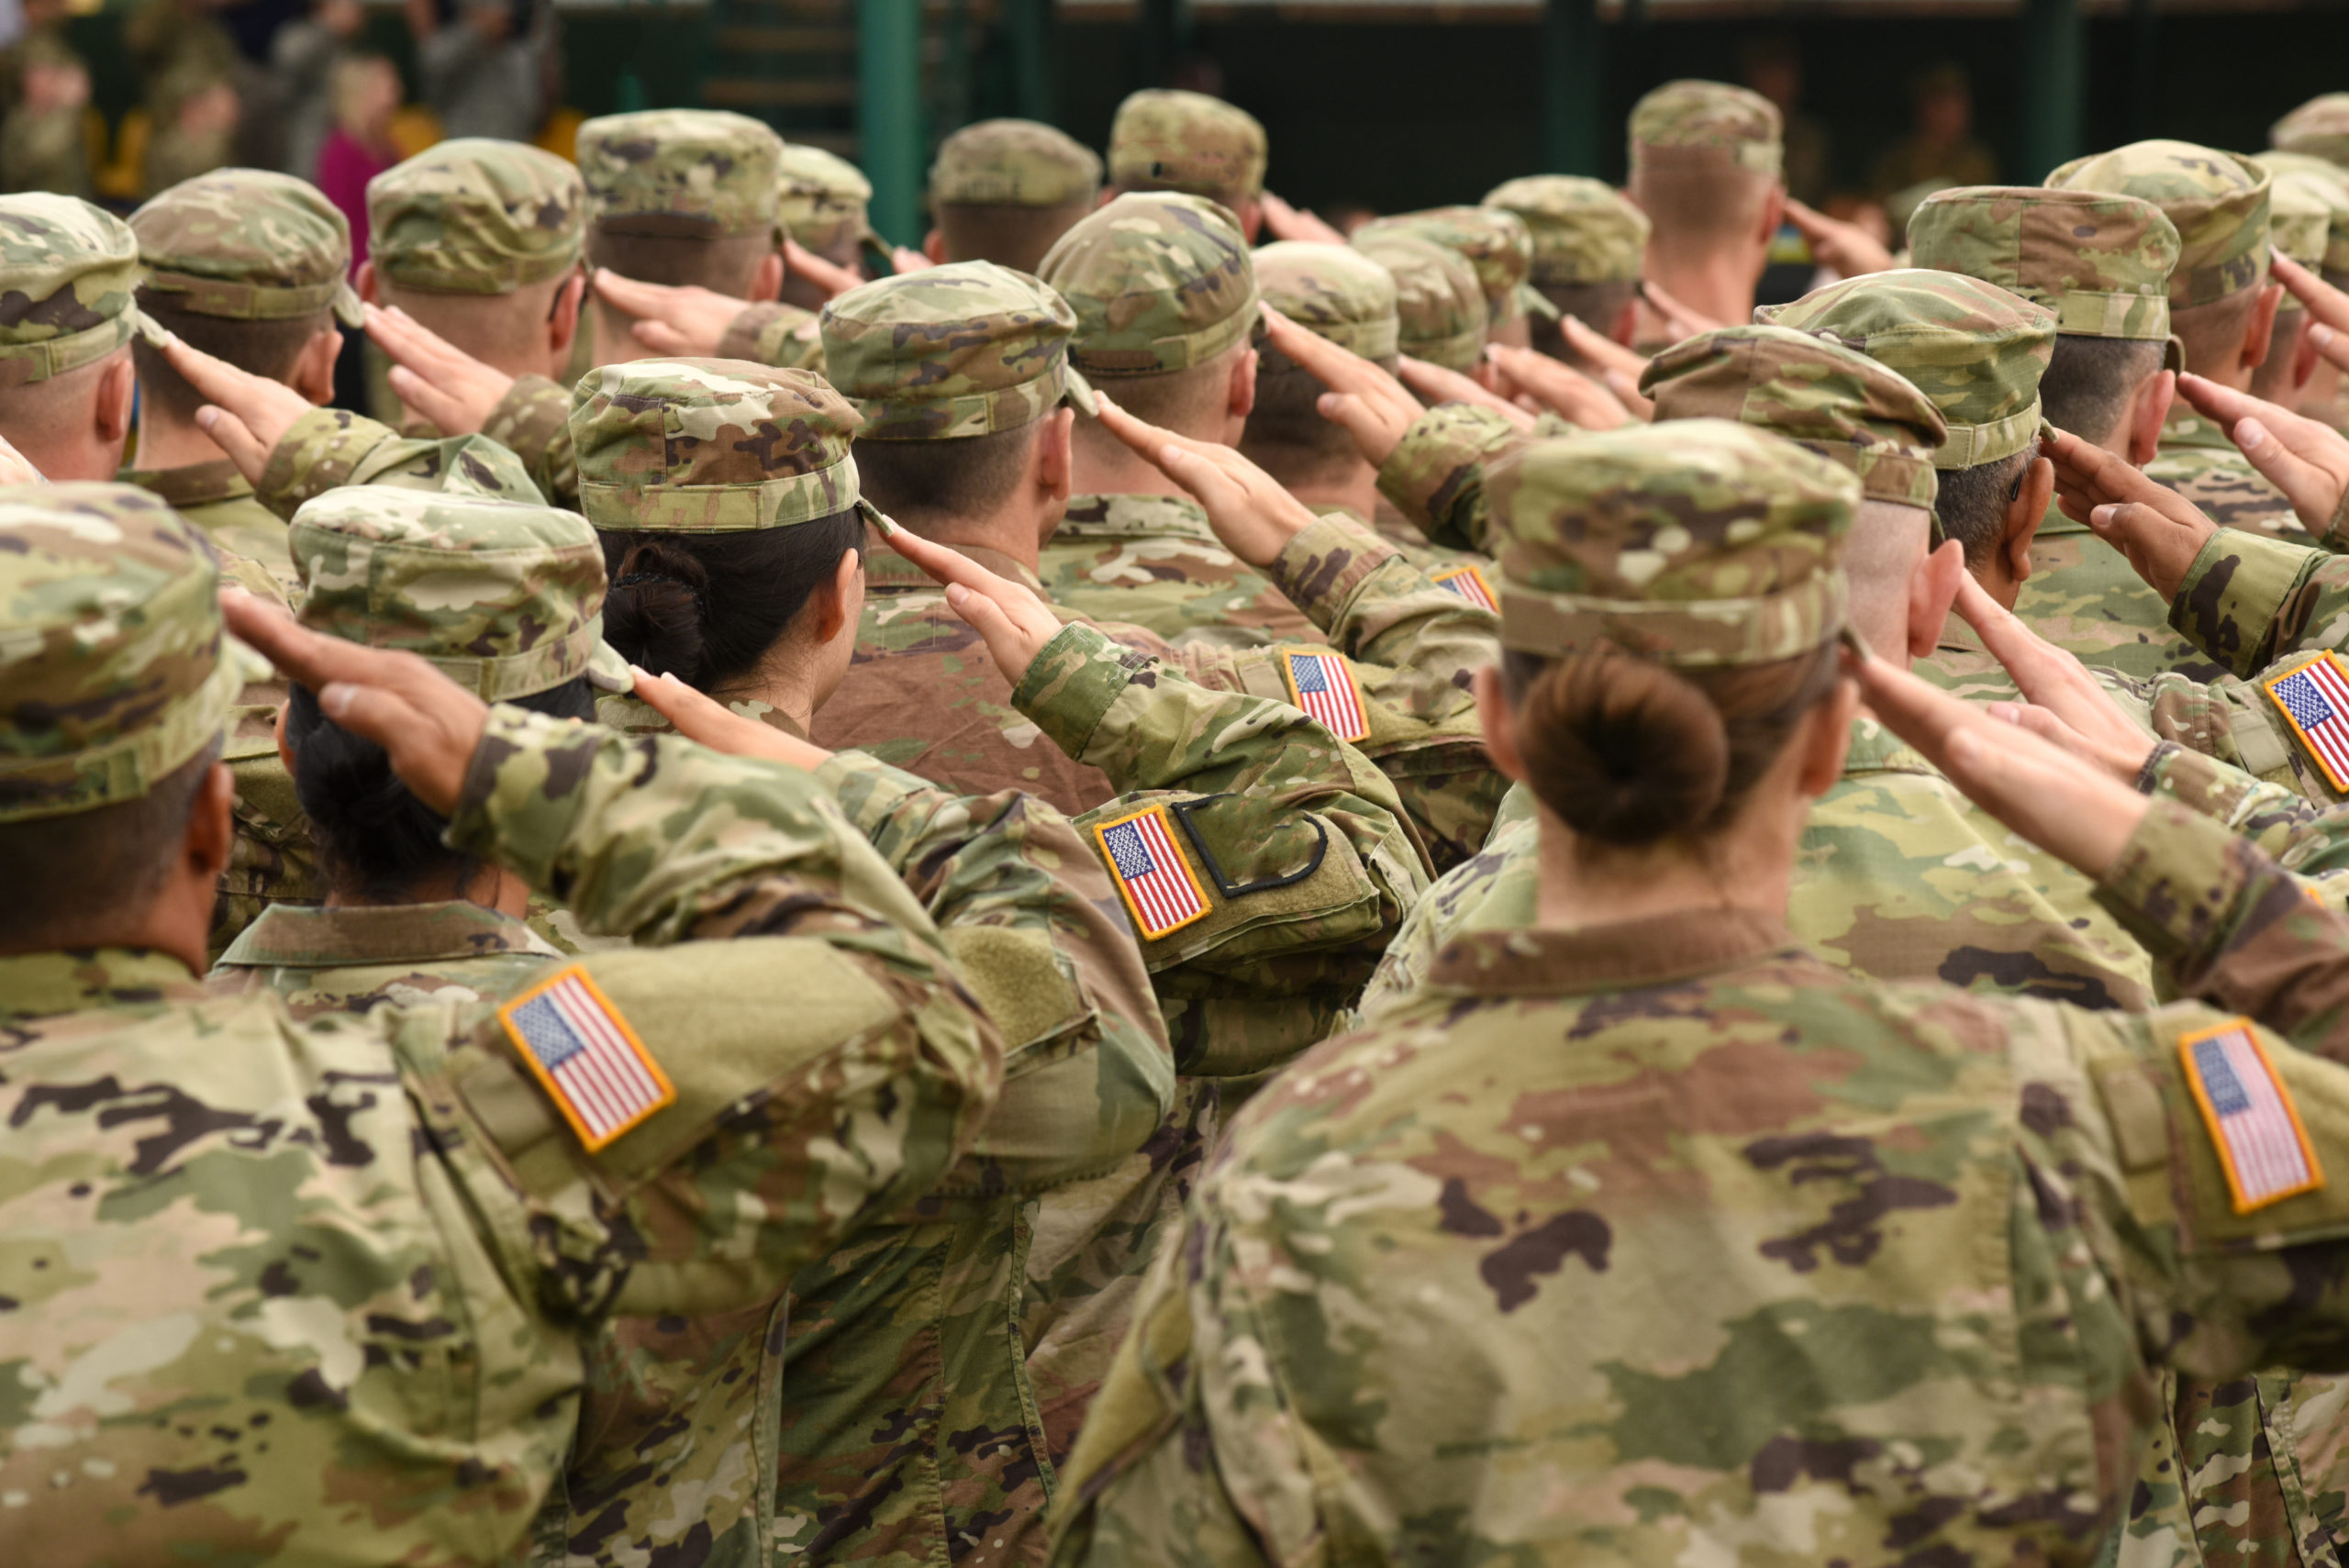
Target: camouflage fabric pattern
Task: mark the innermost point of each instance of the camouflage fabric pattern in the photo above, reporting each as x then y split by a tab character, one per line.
1014	163
248	245
1414	1173
74	268
2249	600
1333	292
2304	212
2327	182
1707	123
503	597
327	448
710	446
113	667
1698	542
717	169
2217	201
220	502
2318	127
1975	350
950	351
473	216
1154	561
1584	231
1439	306
2198	460
358	958
773	333
1497	244
1832	401
1160	281
1166	139
2100	262
822	200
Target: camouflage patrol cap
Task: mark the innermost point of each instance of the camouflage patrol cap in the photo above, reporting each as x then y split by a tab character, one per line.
74	269
948	351
475	216
1494	241
1975	350
1333	291
2101	262
503	597
1440	307
683	172
113	664
1707	125
2316	179
2299	219
247	245
1838	404
1165	140
1014	163
1700	543
1160	281
711	446
2217	201
2319	128
1584	231
822	199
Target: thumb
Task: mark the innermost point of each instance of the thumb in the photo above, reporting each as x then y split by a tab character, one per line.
371	712
232	435
661	338
426	399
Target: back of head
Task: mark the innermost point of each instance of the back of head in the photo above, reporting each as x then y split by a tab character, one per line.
474	238
1589	242
1975	350
1335	292
1705	156
114	688
950	369
1493	242
822	202
246	264
1163	288
1003	191
725	494
2318	127
1440	309
682	196
1671	595
74	269
1166	139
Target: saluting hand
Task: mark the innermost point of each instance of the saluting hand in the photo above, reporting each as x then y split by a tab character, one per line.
1009	619
830	277
682	319
1442	384
457	392
2308	461
1618	368
1372	405
2159	530
245	415
704	720
2063	702
1545	383
1253	515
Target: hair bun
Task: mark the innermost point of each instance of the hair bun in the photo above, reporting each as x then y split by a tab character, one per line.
656	612
1625	752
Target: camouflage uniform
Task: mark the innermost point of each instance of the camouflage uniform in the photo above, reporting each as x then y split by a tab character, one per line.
1584	231
2102	263
823	201
1014	164
242	245
1495	244
2218	204
1160	284
2318	127
75	269
1707	127
1168	140
366	1248
1443	1298
1438	300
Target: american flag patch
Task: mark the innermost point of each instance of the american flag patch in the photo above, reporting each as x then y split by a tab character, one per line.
1159	888
2253	1123
1469	584
1322	685
576	1043
2315	700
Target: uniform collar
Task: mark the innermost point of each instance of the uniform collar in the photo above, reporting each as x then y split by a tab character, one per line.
38	985
1541	963
289	936
887	572
1877	750
2184	428
631	714
196	485
1135	516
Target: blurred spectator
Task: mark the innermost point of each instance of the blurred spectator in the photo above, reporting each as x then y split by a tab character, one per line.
302	61
366	94
196	115
46	89
484	73
1942	147
1773	69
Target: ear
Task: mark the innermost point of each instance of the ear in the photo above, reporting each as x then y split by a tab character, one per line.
834	609
211	828
1242	397
1932	588
1052	460
933	245
1499	723
562	322
2148	413
363	280
1627	323
1774	213
313	374
2023	515
2260	330
1826	739
112	415
767	283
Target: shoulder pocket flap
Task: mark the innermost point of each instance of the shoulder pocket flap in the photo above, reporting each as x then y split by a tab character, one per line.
1275	884
2254	1119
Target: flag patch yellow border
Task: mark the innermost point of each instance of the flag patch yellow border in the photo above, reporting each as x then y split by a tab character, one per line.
2333	761
1160	909
586	1056
2254	1140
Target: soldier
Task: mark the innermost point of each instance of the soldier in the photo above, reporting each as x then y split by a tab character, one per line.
66	397
1611	1297
2223	307
823	208
2309	215
45	89
1705	169
2102	264
367	1248
1440	308
1003	191
1342	296
503	597
1589	242
2318	127
1166	303
1166	139
251	268
1497	245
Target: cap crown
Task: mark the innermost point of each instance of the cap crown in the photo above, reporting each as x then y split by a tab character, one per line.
1440	308
716	170
1014	163
1333	292
2101	262
823	198
75	268
1584	231
1697	123
247	245
2217	201
2322	180
1166	139
2320	126
950	351
1160	281
475	216
1494	241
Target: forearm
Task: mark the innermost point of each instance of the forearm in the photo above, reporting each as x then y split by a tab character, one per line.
1377	608
1436	474
2246	599
533	422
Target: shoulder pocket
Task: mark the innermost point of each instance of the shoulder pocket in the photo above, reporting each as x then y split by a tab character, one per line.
2260	1132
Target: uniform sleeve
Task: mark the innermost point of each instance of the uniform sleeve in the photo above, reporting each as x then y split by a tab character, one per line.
2247	600
328	448
533	422
1376	607
1037	932
1435	475
776	334
822	1065
2239	723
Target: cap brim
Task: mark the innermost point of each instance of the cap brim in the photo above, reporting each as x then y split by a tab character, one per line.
143	326
2173	353
607	671
1079	393
346	306
1534	302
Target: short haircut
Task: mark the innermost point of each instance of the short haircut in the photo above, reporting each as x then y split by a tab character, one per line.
34	414
1596	306
726	263
1696	210
1287	436
1014	237
1184	401
1974	502
931	486
1229	197
2273	379
74	880
2088	382
497	327
2212	333
266	349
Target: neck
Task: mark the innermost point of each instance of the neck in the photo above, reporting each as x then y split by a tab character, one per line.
1010	530
1356	488
1742	869
166	443
491	887
1101	464
784	683
1718	284
1886	632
